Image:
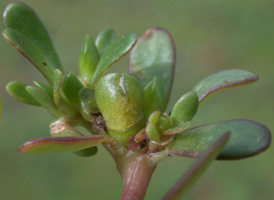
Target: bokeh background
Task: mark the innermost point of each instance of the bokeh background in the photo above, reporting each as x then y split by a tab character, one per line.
210	35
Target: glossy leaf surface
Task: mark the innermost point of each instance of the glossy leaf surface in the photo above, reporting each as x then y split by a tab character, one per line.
87	100
154	55
185	108
115	52
88	60
60	144
104	40
223	80
71	87
191	176
247	139
20	17
18	91
155	98
57	85
24	45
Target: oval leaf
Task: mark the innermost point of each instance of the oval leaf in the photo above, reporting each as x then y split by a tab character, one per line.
185	108
104	40
29	50
23	19
247	139
88	59
60	144
223	80
18	91
155	98
114	53
191	176
71	87
154	55
47	88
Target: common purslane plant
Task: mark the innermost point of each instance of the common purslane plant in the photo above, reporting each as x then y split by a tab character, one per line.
126	113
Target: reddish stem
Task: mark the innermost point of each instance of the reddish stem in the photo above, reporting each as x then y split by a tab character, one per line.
136	174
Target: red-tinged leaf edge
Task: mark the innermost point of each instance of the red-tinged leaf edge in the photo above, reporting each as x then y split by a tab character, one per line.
146	35
32	144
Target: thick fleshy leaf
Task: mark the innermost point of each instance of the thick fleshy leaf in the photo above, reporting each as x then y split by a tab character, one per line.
154	55
88	60
191	176
61	129
24	45
57	85
18	91
115	52
44	99
247	139
87	100
104	40
23	19
185	108
71	87
223	80
47	88
155	98
60	144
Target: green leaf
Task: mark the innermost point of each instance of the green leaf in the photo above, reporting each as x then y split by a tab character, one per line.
88	60
247	139
115	52
155	98
223	80
47	88
104	40
178	129
154	55
60	144
57	85
29	50
191	176
18	91
61	129
87	99
44	99
71	87
23	19
185	108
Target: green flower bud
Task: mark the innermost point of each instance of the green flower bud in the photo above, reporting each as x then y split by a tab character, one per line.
120	99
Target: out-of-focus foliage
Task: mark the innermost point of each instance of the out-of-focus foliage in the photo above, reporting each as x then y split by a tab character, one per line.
210	36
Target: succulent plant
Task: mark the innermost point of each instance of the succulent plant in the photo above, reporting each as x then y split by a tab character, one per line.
127	112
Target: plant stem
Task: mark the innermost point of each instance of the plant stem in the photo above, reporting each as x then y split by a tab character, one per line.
136	174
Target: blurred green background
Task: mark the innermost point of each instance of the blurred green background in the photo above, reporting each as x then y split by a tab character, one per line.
210	35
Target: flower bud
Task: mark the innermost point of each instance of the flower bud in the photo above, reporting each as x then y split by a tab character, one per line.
120	99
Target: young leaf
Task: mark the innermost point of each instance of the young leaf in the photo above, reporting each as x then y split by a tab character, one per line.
23	19
88	59
44	99
115	52
154	55
155	98
185	108
104	40
24	45
223	80
191	176
247	139
60	144
87	100
71	87
18	91
47	88
57	84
